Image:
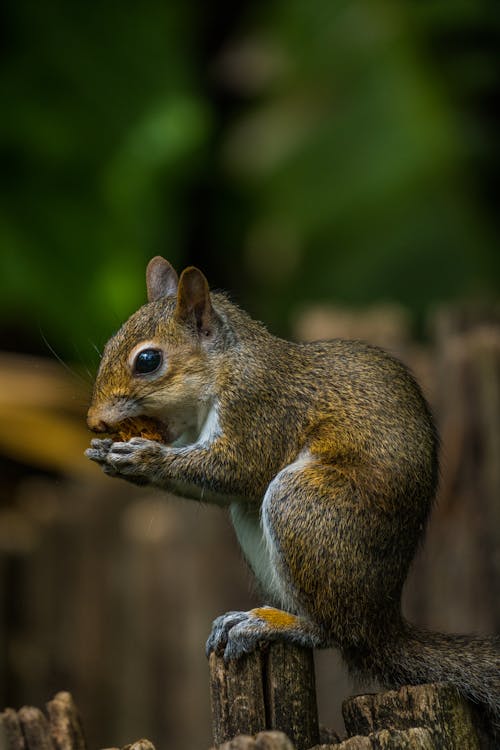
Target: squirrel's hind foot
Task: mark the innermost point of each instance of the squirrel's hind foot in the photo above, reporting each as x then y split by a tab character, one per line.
238	633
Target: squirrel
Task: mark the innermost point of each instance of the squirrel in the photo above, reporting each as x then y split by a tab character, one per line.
326	456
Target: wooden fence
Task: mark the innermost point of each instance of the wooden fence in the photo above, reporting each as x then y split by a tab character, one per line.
108	591
267	701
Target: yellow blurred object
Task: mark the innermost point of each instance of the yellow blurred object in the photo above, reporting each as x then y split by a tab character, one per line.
42	416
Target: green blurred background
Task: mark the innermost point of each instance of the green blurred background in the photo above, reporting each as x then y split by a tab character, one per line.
304	155
296	151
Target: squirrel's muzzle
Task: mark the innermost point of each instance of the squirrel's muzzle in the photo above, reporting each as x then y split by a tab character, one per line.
95	421
97	425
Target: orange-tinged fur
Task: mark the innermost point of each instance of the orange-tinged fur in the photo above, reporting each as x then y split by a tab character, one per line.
326	453
276	618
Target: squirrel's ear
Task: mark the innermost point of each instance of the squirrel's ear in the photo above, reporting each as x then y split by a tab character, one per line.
193	299
161	279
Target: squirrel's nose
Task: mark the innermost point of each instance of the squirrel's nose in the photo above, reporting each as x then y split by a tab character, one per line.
95	423
99	426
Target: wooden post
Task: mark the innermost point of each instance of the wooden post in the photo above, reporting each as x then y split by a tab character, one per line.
65	725
237	696
269	740
436	708
271	689
291	694
35	728
29	728
11	734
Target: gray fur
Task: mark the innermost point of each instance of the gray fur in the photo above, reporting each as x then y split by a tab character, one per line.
331	442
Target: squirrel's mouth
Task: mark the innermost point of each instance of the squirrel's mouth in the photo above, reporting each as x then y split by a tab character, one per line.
144	427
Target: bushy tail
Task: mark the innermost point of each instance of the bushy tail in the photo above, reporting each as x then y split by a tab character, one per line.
470	663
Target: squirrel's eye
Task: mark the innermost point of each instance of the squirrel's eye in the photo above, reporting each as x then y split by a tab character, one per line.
147	361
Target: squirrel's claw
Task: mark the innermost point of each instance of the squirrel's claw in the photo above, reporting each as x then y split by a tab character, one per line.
102	443
138	455
134	460
99	450
235	634
217	640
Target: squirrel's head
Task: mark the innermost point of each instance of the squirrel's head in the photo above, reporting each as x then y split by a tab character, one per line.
159	364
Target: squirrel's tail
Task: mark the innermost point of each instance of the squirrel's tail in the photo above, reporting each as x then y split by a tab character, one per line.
470	663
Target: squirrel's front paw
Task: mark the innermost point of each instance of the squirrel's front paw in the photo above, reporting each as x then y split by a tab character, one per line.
235	634
99	451
136	460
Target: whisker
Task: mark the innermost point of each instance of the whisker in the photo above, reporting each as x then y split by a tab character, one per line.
94	346
82	361
74	373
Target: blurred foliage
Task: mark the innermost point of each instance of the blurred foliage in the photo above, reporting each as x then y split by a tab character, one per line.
372	193
296	151
100	131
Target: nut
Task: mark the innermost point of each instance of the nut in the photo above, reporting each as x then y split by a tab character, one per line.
144	427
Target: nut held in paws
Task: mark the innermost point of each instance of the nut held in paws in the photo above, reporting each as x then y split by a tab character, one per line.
144	427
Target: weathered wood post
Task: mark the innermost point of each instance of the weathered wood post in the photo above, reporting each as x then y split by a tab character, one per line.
430	716
30	729
273	688
237	696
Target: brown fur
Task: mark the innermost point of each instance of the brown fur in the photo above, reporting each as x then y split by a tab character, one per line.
336	445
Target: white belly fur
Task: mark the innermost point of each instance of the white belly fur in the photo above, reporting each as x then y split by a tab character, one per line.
247	524
256	539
